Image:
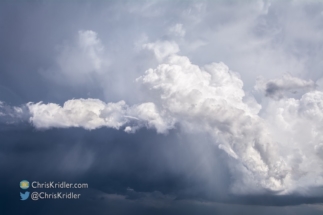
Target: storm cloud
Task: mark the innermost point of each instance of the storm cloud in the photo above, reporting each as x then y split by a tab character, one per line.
162	106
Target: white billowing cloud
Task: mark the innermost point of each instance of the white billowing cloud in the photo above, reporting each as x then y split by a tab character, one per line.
278	88
297	126
77	113
93	113
162	49
211	99
177	30
272	151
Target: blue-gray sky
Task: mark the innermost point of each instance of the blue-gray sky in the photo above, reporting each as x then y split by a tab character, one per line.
166	107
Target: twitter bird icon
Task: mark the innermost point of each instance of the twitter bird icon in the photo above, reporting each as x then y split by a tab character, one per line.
24	196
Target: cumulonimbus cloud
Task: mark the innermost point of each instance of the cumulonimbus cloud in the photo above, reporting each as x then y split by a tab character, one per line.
271	151
210	99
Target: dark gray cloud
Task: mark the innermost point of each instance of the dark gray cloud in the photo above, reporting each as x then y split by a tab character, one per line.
143	171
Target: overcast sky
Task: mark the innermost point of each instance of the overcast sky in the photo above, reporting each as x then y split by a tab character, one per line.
163	107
